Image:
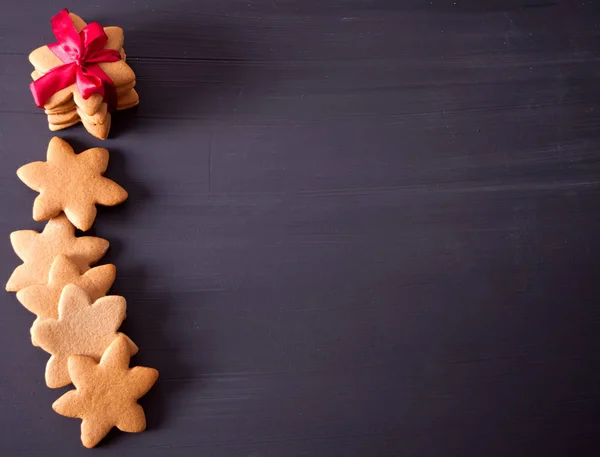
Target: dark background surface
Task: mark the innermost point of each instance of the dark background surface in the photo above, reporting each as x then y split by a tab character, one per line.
355	228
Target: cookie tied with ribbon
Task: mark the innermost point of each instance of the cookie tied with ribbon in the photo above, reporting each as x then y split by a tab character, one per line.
83	77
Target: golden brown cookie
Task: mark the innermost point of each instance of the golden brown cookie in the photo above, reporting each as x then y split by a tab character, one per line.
61	102
38	251
122	76
77	22
82	328
47	60
125	88
94	103
72	183
55	128
99	118
89	106
106	393
62	109
44	60
63	118
121	89
115	37
68	105
100	131
119	72
60	98
42	299
128	100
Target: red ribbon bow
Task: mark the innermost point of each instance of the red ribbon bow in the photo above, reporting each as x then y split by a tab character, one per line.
80	53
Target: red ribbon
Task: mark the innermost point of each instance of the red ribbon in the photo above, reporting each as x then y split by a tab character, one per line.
80	53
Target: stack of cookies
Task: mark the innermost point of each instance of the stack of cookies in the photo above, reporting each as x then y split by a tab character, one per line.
76	323
67	106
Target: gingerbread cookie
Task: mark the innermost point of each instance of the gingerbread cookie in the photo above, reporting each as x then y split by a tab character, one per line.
99	130
45	61
72	183
38	251
106	393
82	328
55	128
99	118
42	299
63	118
128	100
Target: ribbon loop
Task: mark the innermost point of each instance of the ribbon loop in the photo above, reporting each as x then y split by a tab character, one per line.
80	53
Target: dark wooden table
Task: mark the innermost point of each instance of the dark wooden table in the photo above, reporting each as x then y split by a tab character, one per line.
356	228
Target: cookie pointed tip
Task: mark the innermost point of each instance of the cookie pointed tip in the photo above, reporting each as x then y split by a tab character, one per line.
14	237
84	226
56	406
21	295
57	141
12	285
20	172
37	215
154	375
88	443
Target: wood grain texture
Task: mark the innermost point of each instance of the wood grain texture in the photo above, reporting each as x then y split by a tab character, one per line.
355	228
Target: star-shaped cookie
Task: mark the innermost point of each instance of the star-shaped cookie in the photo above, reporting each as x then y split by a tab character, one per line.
42	299
82	328
38	250
106	393
88	111
44	60
72	183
